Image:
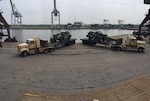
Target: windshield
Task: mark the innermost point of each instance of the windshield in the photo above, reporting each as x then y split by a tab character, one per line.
28	42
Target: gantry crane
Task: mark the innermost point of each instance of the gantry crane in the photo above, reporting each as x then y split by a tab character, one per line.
120	23
16	21
106	23
16	17
55	13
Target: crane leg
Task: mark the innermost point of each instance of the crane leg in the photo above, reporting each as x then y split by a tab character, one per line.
5	24
52	19
143	22
59	19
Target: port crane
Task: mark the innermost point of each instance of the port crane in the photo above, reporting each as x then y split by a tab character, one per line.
106	23
16	17
3	21
16	21
121	22
147	18
55	13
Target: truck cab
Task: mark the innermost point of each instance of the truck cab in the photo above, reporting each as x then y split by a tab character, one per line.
130	43
31	43
33	46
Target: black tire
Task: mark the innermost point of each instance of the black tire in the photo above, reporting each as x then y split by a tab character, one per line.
46	51
141	50
83	42
51	50
119	49
73	42
112	48
1	44
24	54
93	43
67	43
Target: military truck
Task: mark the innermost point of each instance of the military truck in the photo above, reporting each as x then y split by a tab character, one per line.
129	42
34	46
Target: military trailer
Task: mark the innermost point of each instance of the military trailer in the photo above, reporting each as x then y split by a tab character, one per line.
98	37
62	39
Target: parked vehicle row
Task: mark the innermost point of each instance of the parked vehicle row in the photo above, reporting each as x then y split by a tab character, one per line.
36	45
128	42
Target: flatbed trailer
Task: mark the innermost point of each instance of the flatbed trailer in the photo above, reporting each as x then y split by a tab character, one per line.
98	37
62	39
58	44
70	42
93	42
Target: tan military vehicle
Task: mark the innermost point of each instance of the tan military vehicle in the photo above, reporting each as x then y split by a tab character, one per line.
33	46
129	42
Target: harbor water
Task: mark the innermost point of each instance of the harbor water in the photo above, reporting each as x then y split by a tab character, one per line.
78	34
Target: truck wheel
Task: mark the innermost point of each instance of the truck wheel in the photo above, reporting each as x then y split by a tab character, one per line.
51	50
46	51
112	48
119	49
141	49
24	54
93	44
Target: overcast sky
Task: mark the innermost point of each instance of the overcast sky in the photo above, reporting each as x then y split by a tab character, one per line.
86	11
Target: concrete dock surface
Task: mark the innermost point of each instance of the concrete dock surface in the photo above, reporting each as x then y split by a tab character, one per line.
136	89
73	69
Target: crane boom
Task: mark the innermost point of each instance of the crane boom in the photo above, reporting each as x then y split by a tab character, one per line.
144	21
5	24
12	7
15	11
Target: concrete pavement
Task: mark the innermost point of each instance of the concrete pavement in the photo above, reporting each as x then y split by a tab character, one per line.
76	68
